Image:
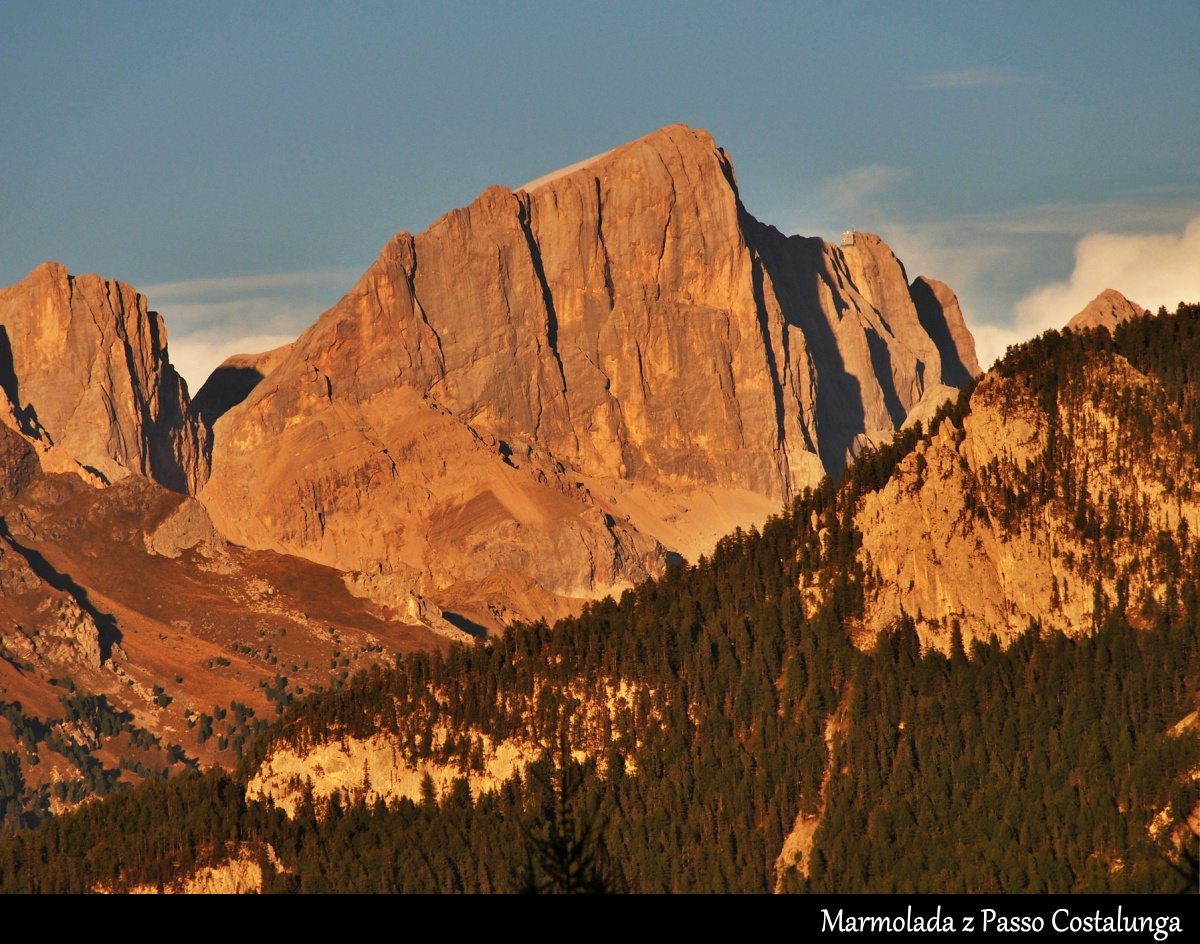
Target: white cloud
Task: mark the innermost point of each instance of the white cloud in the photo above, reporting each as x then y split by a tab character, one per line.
1151	269
202	334
964	78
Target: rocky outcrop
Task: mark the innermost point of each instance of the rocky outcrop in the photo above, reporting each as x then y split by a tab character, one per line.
1106	310
962	535
525	386
241	873
42	620
18	462
188	526
942	319
387	765
83	366
378	768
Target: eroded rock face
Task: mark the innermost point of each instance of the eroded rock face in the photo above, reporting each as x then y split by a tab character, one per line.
1106	310
942	319
40	622
518	388
18	462
84	369
936	543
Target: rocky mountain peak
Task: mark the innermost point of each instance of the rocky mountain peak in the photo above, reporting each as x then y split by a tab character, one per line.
85	376
566	382
675	145
1106	310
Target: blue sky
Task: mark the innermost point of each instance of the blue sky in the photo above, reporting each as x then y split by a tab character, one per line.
243	162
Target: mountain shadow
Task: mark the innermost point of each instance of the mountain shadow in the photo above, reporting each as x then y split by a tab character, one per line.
932	315
224	389
794	265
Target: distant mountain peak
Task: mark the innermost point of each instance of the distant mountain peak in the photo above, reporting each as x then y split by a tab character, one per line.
84	370
1106	310
622	361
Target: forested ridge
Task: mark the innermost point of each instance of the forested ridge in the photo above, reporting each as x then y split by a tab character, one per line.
1049	764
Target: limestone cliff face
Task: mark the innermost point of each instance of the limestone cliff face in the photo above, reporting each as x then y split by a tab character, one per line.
39	622
518	388
977	527
86	378
942	318
1106	310
384	765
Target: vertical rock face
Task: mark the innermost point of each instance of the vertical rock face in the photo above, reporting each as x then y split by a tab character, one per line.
617	334
84	370
942	319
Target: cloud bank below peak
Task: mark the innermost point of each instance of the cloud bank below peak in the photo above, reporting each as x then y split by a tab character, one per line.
1152	269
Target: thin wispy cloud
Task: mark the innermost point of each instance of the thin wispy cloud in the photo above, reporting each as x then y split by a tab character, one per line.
964	78
1071	220
1162	190
257	313
1077	219
234	285
859	189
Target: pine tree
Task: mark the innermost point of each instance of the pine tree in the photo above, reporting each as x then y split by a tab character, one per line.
566	853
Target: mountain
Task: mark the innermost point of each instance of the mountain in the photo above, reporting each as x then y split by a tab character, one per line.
125	618
1107	310
548	394
129	629
1053	502
970	661
1022	588
736	726
86	379
539	412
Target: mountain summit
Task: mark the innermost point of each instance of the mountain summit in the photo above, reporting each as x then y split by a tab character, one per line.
551	389
1107	310
86	380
